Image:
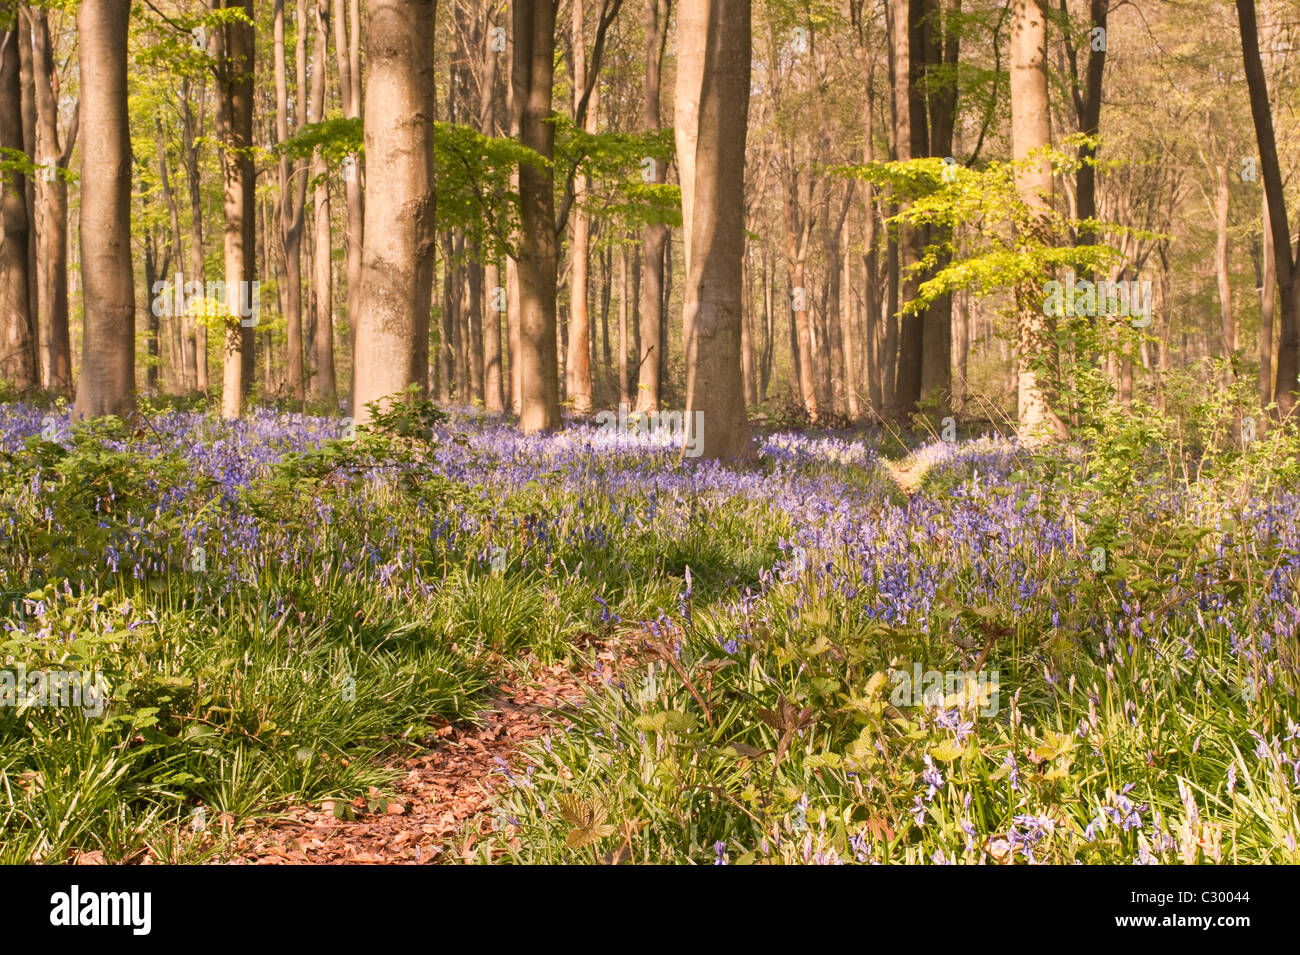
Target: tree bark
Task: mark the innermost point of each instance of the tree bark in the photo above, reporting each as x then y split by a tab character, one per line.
51	215
191	130
1288	348
18	347
107	383
347	51
654	237
532	77
322	388
579	347
714	386
293	193
235	63
397	266
1031	131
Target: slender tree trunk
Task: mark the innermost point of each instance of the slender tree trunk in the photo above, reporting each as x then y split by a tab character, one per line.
654	237
293	192
347	50
579	346
107	384
847	331
27	83
624	290
191	130
1268	296
321	388
1288	277
494	398
397	267
912	138
51	215
1088	110
1227	325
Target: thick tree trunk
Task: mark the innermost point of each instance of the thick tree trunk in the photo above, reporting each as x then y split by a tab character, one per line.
532	77
107	384
397	268
1030	131
235	63
18	346
714	387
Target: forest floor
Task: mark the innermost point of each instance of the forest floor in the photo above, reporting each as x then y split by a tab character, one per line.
437	809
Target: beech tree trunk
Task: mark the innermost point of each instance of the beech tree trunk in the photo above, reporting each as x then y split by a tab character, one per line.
51	215
1030	131
532	74
235	60
714	386
18	346
293	193
654	237
107	383
1288	277
397	266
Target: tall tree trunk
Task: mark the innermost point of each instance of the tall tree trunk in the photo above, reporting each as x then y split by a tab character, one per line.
848	334
1087	107
51	215
943	36
107	384
1031	130
1227	326
579	346
191	130
397	267
796	251
176	348
27	82
18	347
532	75
293	193
624	289
714	386
347	50
1268	295
494	397
235	63
1288	277
911	136
321	387
747	370
654	237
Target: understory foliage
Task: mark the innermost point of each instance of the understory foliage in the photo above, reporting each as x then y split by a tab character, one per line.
276	604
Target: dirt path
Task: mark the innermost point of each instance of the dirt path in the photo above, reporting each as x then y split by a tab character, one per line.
422	821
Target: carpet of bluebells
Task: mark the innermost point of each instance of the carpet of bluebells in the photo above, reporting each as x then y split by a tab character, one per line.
276	603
